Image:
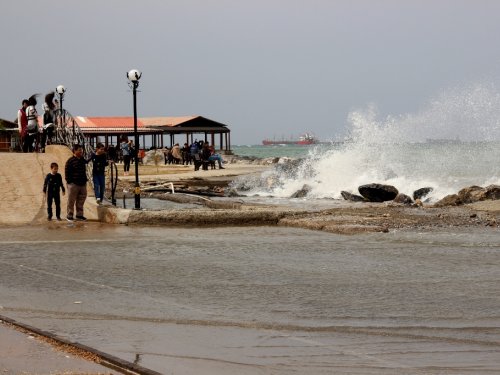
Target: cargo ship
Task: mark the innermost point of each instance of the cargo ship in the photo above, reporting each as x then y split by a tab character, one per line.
306	139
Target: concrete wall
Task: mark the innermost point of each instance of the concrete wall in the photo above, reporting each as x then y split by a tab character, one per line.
21	184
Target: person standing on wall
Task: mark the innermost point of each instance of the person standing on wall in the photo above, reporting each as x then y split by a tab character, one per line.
22	123
76	182
32	128
49	107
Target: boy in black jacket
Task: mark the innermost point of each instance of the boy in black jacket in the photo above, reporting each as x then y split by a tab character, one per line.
51	187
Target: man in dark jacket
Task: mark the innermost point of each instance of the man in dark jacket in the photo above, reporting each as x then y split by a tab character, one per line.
76	181
99	161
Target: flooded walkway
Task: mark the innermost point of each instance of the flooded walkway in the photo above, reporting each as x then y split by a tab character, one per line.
261	300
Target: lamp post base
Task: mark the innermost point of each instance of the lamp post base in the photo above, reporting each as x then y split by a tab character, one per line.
137	196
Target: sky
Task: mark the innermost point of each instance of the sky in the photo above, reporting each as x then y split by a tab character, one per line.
265	68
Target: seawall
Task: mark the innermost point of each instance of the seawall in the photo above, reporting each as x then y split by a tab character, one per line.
21	185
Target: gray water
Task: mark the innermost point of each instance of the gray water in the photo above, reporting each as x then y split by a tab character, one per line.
262	300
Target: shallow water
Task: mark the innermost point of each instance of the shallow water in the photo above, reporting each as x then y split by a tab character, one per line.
153	204
262	300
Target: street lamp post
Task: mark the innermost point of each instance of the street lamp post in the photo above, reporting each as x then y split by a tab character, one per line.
60	91
134	76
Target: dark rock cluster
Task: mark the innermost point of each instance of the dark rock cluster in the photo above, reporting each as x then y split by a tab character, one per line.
384	193
470	194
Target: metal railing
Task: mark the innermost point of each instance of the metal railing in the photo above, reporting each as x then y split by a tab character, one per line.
67	132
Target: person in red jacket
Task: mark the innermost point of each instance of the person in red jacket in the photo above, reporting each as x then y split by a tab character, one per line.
22	123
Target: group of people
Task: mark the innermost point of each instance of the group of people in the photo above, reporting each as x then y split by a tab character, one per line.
33	136
175	155
76	182
198	153
203	154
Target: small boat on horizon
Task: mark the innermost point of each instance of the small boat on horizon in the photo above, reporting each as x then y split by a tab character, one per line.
305	139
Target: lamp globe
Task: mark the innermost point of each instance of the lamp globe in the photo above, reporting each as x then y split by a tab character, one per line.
134	75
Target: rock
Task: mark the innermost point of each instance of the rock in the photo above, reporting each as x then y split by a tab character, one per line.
403	198
472	194
232	193
352	197
154	157
288	167
378	192
302	192
421	193
493	192
491	223
449	200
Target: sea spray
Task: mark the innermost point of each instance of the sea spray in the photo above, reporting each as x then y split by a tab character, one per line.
452	143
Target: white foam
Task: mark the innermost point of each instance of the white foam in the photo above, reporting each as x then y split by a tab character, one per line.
446	146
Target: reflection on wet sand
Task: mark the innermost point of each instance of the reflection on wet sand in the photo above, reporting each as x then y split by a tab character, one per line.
262	300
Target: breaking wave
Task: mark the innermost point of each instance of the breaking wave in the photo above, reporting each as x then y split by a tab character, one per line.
452	143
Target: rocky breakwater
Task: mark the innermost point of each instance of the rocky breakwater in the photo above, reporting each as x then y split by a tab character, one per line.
381	208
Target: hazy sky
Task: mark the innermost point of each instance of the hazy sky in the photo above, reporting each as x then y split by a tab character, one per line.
264	67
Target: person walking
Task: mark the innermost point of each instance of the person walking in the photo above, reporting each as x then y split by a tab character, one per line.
99	161
76	181
125	148
22	123
51	187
